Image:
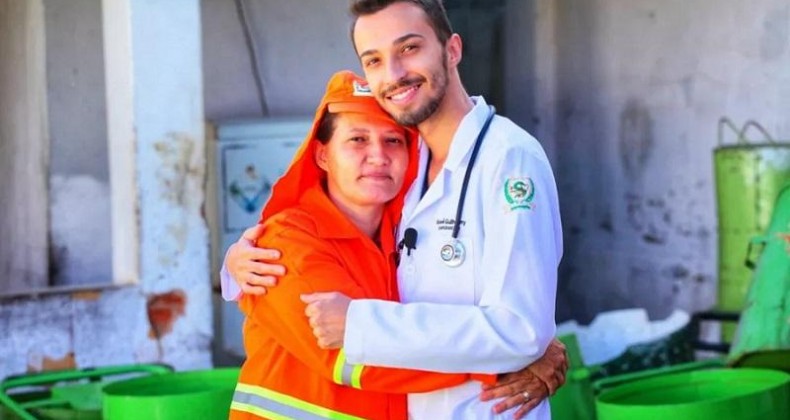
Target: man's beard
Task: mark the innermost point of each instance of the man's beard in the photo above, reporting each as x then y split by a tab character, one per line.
412	118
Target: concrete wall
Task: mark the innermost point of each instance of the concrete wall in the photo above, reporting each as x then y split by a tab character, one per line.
24	147
78	172
155	125
298	44
640	86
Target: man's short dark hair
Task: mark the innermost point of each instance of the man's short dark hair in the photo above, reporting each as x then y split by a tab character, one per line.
434	9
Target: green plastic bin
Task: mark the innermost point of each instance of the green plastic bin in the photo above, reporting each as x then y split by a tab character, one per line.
712	394
763	335
748	177
203	394
63	395
575	399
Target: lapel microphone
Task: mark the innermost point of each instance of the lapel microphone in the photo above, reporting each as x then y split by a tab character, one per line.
409	240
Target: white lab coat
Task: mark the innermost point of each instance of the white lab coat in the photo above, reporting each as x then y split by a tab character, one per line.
495	312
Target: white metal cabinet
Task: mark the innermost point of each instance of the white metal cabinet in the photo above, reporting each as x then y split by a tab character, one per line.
250	157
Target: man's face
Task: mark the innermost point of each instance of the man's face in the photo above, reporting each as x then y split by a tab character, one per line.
404	62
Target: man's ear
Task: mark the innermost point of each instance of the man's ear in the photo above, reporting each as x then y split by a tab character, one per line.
455	48
320	156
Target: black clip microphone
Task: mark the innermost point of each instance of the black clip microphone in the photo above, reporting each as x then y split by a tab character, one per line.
409	240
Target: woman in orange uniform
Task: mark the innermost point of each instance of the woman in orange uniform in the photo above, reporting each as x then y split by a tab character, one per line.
333	215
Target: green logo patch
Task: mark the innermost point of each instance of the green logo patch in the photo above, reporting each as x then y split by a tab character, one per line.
519	193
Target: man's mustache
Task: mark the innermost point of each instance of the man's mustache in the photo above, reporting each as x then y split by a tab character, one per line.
402	83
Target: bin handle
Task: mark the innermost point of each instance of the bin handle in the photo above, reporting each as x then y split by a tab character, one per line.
755	124
751	262
742	139
724	121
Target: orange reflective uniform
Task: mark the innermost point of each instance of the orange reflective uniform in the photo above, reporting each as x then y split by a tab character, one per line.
286	374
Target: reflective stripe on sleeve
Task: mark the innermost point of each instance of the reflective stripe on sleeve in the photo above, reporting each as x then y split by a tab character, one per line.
345	373
277	406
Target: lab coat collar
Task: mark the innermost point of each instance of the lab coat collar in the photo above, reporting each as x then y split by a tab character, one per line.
466	134
461	146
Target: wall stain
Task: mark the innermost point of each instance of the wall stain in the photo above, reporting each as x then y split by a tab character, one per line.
634	212
47	364
654	236
636	137
606	224
88	295
649	216
677	271
178	166
163	310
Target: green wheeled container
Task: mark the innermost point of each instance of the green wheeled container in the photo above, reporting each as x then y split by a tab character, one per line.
203	394
763	335
65	394
748	179
708	394
575	399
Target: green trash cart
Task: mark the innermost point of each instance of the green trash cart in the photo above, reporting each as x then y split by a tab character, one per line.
699	393
763	335
204	394
64	395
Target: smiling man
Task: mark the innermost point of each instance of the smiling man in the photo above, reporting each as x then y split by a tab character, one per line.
480	231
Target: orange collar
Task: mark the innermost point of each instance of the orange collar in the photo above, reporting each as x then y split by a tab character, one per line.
331	222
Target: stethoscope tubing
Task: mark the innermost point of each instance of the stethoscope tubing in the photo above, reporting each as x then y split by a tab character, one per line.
459	209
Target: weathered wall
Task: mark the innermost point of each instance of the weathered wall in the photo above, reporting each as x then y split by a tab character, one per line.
156	103
24	146
78	171
640	86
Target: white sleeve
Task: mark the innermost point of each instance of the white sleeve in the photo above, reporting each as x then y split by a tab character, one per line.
230	290
514	322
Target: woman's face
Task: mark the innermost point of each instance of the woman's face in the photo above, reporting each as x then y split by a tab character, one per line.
365	160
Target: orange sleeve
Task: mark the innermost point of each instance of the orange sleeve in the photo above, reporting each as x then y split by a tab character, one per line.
312	267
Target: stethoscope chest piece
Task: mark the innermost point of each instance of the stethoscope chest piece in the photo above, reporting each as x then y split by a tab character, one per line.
453	253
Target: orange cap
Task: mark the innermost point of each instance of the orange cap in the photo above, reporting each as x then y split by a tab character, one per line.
345	92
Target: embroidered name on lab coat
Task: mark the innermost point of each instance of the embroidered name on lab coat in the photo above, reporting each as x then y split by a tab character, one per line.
447	223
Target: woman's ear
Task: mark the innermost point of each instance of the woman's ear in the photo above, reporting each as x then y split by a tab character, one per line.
320	156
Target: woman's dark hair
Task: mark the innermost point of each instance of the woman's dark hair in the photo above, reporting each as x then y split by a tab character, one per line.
434	9
326	128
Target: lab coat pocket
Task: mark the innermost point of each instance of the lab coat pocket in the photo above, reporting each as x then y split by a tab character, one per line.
436	277
458	263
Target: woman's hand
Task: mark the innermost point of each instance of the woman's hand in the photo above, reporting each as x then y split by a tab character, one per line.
520	388
531	385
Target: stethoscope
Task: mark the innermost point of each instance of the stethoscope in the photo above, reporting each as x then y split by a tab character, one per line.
453	252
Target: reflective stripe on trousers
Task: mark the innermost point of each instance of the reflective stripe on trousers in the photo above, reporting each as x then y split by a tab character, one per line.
274	405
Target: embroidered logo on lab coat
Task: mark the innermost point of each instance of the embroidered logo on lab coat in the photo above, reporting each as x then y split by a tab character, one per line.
519	193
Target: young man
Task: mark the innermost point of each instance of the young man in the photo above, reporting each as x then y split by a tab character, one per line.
488	271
